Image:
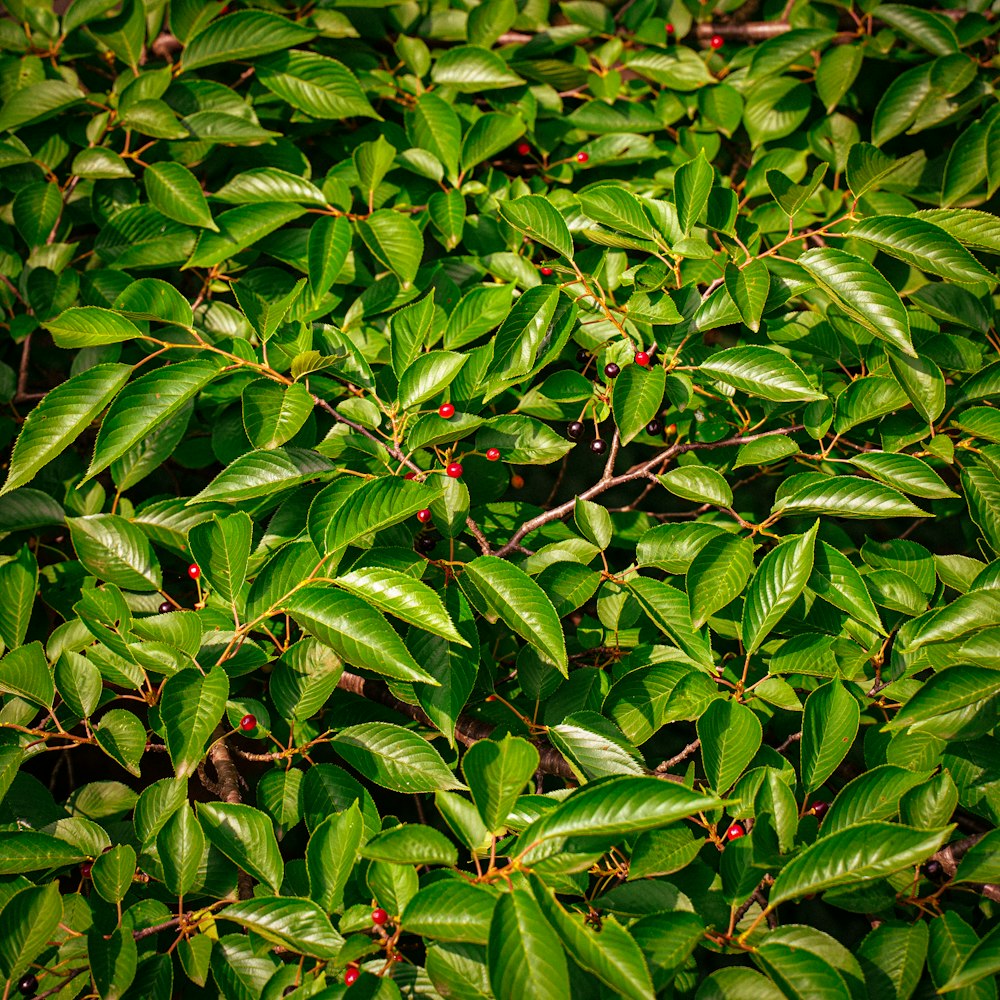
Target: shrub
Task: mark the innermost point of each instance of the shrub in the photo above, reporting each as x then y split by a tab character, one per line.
501	501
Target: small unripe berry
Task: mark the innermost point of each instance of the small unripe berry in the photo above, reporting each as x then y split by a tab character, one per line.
672	429
454	470
517	481
611	370
820	809
165	607
716	41
546	271
523	148
446	410
641	359
575	431
28	986
598	447
194	571
582	157
735	832
654	427
493	455
379	916
248	722
423	516
351	975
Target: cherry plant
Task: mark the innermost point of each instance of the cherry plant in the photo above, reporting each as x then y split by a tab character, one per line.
501	499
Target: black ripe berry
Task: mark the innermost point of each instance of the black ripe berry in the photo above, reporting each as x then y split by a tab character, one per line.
598	447
28	986
575	431
583	355
933	870
165	607
611	370
654	427
820	809
426	543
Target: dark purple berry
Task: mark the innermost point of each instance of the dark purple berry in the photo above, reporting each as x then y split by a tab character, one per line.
654	427
611	370
575	431
598	447
583	355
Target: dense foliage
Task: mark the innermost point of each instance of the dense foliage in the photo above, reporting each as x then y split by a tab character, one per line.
501	500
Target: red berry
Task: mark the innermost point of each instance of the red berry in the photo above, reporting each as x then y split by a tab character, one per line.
446	410
379	916
351	975
517	482
423	516
641	358
194	571
248	722
582	157
735	832
85	869
454	470
670	29
546	271
716	41
523	148
820	809
410	475
493	454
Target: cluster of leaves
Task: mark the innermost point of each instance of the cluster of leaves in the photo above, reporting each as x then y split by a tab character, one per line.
530	471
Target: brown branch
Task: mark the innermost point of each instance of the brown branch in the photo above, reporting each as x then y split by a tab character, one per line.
478	535
229	791
641	471
690	749
794	738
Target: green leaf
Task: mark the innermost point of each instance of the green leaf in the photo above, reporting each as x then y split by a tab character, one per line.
331	854
761	372
240	228
730	735
434	126
699	484
923	382
610	954
18	586
113	872
780	578
394	758
489	135
329	244
923	245
411	844
450	910
355	631
115	550
873	795
928	29
849	496
829	725
594	522
718	576
296	924
191	707
262	473
173	190
429	375
539	221
242	35
147	403
669	609
273	414
377	504
28	920
398	594
180	845
863	293
856	854
636	398
836	580
905	472
315	84
748	287
496	772
30	851
525	955
221	548
522	440
892	956
495	586
615	207
26	673
60	418
948	691
470	69
122	737
395	241
245	836
37	102
113	961
692	186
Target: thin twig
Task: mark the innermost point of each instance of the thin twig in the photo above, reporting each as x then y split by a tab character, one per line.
678	758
